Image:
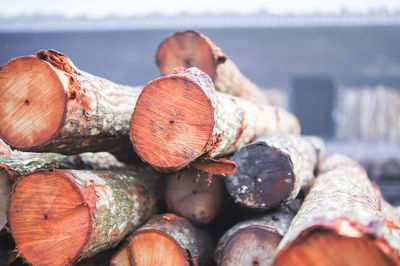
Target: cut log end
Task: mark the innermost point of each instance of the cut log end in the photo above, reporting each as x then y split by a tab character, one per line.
32	94
264	177
325	247
186	49
250	246
190	195
171	133
48	211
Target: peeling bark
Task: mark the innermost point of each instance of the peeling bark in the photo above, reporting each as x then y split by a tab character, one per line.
193	49
59	108
340	222
273	170
166	239
180	117
59	217
190	194
255	241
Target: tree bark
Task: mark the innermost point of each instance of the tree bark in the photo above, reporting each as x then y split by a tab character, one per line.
273	170
180	117
166	240
340	222
254	241
58	217
59	108
193	49
192	194
20	163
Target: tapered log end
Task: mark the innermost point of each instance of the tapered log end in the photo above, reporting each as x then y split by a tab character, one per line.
172	122
186	49
250	246
264	177
190	195
325	247
49	219
32	102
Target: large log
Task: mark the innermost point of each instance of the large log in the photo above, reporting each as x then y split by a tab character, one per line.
254	241
166	240
20	163
193	49
273	170
341	222
49	105
192	194
180	117
58	217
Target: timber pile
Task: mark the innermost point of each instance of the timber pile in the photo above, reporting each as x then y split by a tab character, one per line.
240	182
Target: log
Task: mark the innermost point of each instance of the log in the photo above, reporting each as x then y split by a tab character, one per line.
192	194
166	240
20	163
193	49
59	217
180	117
59	108
340	222
273	170
254	241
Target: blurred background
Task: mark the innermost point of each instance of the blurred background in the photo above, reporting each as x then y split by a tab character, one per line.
335	64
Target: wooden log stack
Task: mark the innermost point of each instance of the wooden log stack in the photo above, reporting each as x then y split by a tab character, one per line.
240	188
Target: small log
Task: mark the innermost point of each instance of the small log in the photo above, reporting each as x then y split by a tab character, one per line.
58	217
193	49
48	105
20	163
192	194
166	240
273	170
340	222
254	241
180	117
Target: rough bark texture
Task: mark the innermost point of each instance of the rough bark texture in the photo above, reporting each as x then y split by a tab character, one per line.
61	108
192	194
180	117
194	245
254	241
59	217
193	49
340	221
272	170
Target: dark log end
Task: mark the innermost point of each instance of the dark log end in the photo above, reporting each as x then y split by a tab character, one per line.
254	245
326	247
4	196
187	49
32	102
48	213
170	134
190	195
263	179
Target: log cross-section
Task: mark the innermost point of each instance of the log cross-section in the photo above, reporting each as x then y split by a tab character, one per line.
180	117
58	217
193	49
48	105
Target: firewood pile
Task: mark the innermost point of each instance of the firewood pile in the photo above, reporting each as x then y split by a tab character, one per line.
197	167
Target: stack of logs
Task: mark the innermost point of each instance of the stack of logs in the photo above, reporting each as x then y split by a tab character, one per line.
234	182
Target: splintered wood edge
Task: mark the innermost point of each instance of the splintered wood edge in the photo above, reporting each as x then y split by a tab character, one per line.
172	123
49	228
270	184
186	49
321	245
188	194
239	250
32	102
153	247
